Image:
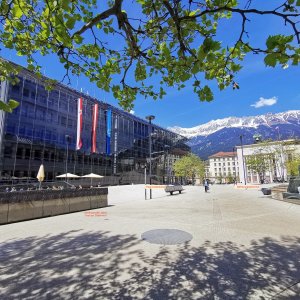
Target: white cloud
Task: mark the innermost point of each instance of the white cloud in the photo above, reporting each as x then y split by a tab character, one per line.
132	112
265	102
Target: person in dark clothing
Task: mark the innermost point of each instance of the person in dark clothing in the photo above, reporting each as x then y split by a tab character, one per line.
206	185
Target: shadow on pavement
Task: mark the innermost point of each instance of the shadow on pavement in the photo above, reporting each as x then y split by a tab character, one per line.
98	265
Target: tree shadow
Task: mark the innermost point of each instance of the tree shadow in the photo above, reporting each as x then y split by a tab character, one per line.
99	265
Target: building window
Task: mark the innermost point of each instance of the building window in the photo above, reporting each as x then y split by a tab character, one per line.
27	153
11	128
16	89
37	155
26	92
63	121
8	151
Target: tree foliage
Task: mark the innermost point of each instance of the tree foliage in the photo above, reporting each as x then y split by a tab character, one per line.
229	178
259	163
274	155
292	165
189	166
177	42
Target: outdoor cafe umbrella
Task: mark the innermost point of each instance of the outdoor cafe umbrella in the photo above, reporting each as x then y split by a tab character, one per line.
41	175
67	175
92	175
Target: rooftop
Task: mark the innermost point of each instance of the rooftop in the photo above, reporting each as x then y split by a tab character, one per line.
223	154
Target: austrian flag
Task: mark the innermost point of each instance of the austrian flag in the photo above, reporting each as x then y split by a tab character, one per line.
79	123
94	128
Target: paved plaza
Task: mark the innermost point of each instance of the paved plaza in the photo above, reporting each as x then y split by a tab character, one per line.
244	246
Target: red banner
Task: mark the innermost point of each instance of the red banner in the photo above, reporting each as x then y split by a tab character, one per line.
94	128
79	123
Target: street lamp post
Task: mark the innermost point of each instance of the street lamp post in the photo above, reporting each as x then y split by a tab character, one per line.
150	118
145	169
67	156
167	147
243	161
233	150
281	156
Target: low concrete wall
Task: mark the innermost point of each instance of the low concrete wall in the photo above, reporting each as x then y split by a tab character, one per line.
27	205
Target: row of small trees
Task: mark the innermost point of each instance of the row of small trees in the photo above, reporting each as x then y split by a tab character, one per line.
190	166
266	158
274	156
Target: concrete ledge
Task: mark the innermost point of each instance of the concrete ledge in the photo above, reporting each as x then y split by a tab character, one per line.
245	187
29	205
277	191
3	213
155	186
24	211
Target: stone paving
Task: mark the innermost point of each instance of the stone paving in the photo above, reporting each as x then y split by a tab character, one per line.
244	246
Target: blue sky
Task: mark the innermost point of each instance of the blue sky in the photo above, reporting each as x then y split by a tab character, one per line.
276	86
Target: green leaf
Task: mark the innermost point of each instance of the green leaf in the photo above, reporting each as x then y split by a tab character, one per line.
270	60
193	13
17	11
206	94
78	39
13	103
70	23
5	107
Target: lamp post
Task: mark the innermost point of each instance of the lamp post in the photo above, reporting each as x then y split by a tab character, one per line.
67	156
150	118
145	170
233	150
243	162
166	167
281	156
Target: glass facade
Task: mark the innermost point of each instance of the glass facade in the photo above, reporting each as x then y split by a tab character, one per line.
43	129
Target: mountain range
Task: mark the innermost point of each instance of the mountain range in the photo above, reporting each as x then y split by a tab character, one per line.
224	134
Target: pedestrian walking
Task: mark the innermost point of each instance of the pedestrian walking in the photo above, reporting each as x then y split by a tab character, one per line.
206	185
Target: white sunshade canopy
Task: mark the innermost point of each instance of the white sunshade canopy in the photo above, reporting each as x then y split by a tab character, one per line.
92	175
68	175
41	174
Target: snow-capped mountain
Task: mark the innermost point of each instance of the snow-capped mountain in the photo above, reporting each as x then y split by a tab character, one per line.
224	134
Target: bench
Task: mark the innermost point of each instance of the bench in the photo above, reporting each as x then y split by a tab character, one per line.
173	188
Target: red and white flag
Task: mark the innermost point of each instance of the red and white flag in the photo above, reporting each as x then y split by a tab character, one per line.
94	128
79	123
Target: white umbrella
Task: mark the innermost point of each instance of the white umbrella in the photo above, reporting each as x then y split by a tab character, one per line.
92	175
68	175
41	175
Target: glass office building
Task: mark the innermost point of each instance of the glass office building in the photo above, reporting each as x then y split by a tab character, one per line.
43	129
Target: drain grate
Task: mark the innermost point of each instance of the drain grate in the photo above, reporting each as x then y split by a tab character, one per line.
166	236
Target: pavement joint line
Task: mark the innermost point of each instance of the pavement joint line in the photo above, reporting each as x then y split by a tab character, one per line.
289	287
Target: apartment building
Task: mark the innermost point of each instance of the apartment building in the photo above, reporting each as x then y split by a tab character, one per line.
222	167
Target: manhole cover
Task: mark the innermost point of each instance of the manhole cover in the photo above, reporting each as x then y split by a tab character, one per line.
166	236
